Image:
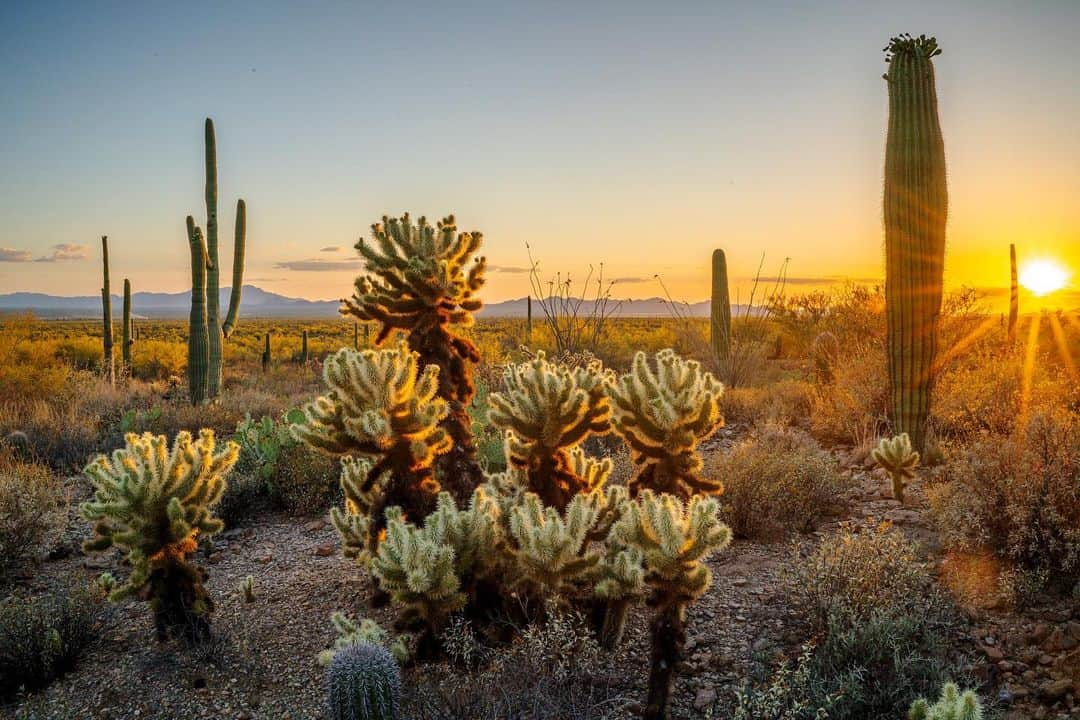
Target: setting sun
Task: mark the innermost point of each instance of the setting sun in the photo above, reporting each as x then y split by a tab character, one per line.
1043	276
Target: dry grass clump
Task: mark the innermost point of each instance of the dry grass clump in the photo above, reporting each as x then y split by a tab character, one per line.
785	402
777	482
32	513
1018	497
854	408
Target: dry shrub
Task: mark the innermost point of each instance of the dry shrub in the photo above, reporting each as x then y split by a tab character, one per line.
786	402
854	408
1018	497
32	513
307	482
777	482
28	368
157	359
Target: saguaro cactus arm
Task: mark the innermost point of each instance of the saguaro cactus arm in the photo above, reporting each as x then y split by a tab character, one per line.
239	248
198	341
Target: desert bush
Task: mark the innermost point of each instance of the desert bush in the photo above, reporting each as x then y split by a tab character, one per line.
886	634
157	359
786	402
32	515
42	637
306	482
28	369
777	482
1018	497
854	408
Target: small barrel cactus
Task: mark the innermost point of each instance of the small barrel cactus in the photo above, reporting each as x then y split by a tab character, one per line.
363	683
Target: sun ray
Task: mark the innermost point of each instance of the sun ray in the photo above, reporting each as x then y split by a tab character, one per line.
1063	347
965	342
1030	350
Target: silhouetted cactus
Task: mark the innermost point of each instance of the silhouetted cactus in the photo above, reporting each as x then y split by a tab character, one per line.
107	362
916	205
720	314
215	331
363	682
379	406
898	459
303	358
154	502
1014	295
662	416
952	705
267	357
198	342
125	329
674	539
546	411
424	280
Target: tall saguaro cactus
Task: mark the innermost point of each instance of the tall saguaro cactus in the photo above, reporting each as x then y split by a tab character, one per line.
1014	295
216	330
720	316
107	365
198	343
125	329
916	205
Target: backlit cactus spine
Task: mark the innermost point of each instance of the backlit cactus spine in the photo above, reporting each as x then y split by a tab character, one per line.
215	331
127	340
916	205
106	316
720	315
1014	295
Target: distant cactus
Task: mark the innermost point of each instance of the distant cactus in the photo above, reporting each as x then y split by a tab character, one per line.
267	357
154	502
528	319
916	205
127	338
303	357
662	416
214	331
379	406
107	362
424	280
898	459
674	539
546	411
356	335
952	705
720	314
1014	295
825	352
363	683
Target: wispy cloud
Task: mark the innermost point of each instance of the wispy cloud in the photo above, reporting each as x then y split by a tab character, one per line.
331	248
829	280
510	269
65	251
315	265
13	255
631	280
266	279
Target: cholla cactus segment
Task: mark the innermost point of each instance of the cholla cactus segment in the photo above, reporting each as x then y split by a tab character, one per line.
381	407
353	524
363	682
153	502
898	459
368	632
673	538
551	550
952	705
547	411
422	568
662	416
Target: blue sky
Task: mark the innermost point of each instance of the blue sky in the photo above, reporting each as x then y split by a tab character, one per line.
638	134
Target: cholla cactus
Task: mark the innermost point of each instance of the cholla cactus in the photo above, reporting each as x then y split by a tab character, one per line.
424	280
547	411
662	416
379	406
363	682
367	632
898	459
952	705
673	539
247	589
620	581
153	503
431	569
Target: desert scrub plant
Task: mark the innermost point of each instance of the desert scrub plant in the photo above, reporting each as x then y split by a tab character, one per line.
662	416
789	694
42	637
885	634
547	410
381	407
854	407
424	280
1018	497
777	482
951	705
363	682
896	457
154	503
674	539
32	514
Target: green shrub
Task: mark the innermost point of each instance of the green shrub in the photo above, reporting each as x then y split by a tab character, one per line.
306	482
42	637
777	482
32	516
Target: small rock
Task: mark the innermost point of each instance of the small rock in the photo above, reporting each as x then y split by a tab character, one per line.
1056	689
705	698
324	550
314	525
994	654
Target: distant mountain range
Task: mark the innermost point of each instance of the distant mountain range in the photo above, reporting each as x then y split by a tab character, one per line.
261	303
